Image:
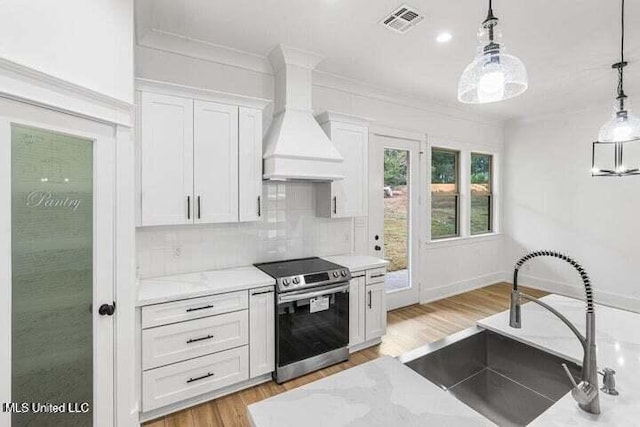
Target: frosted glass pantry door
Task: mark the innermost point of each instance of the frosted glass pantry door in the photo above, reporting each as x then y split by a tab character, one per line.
61	256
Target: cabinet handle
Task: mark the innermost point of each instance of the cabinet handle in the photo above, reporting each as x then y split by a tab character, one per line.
189	310
262	292
259	207
188	207
199	209
335	204
208	337
190	380
370	302
375	276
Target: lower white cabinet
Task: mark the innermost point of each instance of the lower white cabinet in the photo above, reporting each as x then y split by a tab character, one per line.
262	342
179	381
375	311
356	310
367	308
173	343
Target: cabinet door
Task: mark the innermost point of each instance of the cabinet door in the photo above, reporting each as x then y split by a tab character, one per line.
215	162
262	341
250	164
356	310
166	150
376	311
347	197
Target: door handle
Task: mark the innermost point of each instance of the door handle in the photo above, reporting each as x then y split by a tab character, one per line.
107	309
377	247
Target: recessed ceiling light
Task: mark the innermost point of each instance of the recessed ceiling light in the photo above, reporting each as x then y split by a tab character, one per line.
444	37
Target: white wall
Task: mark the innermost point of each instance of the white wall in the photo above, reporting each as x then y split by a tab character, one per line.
552	202
445	269
88	43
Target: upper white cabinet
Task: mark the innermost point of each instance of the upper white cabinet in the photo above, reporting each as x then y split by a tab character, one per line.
347	197
200	161
166	147
215	160
250	164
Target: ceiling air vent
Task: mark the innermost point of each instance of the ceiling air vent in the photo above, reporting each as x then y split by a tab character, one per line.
402	19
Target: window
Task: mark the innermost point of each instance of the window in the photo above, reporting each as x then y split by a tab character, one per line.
445	197
481	198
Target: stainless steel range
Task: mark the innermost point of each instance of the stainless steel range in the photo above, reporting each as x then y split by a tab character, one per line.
312	315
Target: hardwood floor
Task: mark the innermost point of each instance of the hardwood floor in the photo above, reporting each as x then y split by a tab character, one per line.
408	328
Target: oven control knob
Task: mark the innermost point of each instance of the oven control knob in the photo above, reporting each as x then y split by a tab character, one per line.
344	273
336	274
296	280
285	282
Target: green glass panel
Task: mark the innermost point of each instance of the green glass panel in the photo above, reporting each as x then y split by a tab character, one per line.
52	274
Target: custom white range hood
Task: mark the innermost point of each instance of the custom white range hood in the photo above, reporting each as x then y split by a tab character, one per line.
296	148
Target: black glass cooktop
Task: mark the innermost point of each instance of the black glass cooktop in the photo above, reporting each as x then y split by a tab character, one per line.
296	267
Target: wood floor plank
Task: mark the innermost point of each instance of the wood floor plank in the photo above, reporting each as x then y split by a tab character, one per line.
407	328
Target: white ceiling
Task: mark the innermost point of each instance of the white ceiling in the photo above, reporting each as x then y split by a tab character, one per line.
567	46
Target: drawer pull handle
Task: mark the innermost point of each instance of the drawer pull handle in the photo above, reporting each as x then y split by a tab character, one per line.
208	337
262	292
375	276
189	310
190	380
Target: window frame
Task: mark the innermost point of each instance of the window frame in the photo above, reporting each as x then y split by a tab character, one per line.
490	195
457	195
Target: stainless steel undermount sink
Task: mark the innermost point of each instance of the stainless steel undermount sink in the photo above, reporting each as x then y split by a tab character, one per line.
507	381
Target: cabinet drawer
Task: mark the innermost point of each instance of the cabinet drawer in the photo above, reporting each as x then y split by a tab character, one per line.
194	308
376	275
185	340
180	381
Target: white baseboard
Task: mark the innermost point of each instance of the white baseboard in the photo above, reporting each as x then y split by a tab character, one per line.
570	290
433	294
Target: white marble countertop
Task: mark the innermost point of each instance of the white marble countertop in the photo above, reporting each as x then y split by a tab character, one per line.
618	347
157	290
357	262
380	393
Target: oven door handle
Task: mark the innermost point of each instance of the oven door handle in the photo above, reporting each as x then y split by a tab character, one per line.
300	296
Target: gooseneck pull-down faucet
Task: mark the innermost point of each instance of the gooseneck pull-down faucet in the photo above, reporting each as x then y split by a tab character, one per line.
586	392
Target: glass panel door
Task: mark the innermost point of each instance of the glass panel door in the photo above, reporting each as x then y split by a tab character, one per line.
396	218
52	275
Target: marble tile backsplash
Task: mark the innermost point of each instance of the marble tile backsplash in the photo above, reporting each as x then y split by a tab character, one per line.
289	229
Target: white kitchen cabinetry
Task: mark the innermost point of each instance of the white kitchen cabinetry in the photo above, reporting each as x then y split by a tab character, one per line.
262	342
367	308
200	161
197	349
166	148
346	197
375	312
215	160
250	173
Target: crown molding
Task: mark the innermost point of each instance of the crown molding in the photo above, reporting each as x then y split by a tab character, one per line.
174	89
26	84
199	49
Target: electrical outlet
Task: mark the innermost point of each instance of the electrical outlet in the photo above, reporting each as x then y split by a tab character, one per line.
177	252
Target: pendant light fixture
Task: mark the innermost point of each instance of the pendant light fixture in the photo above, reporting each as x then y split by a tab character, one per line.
493	75
620	134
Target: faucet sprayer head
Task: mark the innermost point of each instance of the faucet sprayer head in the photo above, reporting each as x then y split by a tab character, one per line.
515	320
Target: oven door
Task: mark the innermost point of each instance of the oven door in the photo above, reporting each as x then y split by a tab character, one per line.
311	324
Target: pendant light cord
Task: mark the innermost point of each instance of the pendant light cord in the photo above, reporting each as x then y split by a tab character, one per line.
621	94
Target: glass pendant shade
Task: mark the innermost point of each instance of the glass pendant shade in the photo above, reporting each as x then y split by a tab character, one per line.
623	126
493	75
